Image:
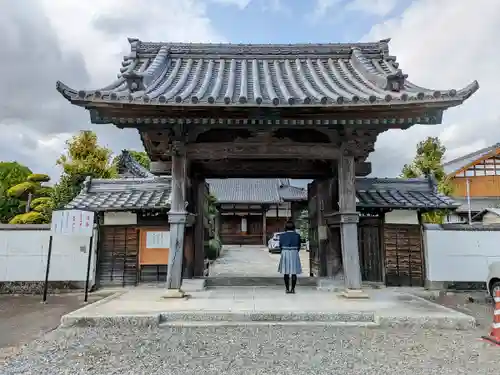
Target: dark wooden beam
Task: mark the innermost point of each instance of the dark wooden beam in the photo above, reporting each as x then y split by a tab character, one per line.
254	150
262	168
250	168
363	169
359	111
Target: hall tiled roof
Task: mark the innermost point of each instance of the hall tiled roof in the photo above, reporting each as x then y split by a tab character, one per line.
182	74
124	194
246	190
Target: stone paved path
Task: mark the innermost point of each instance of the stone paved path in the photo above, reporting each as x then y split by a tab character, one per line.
251	261
256	351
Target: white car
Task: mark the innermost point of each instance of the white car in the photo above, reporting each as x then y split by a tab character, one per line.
493	281
273	245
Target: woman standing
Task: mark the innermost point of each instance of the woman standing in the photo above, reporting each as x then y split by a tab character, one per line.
290	260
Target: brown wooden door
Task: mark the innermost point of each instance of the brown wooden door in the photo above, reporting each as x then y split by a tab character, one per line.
117	256
314	255
370	252
404	264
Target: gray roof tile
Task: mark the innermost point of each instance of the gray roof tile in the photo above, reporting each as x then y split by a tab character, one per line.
264	75
458	163
392	193
124	194
292	193
246	190
129	167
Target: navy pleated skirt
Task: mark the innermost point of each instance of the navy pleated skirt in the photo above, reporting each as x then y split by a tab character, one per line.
290	262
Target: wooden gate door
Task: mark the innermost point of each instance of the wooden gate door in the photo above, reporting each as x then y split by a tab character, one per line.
370	252
117	256
403	255
314	256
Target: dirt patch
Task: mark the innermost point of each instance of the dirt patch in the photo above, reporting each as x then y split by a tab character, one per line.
473	304
25	318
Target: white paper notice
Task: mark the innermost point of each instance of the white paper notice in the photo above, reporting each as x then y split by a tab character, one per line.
72	223
158	240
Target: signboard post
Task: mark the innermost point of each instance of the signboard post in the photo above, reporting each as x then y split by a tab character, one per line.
78	223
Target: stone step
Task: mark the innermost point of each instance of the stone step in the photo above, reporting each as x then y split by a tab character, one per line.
255	281
225	317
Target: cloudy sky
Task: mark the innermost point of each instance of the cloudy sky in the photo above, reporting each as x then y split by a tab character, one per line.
440	44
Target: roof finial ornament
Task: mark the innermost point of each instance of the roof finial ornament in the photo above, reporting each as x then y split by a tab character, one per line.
86	184
134	81
396	81
433	184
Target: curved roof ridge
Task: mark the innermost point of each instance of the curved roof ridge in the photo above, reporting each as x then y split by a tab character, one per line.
378	47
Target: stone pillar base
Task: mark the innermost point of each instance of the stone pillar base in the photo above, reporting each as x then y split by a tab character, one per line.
354	294
173	293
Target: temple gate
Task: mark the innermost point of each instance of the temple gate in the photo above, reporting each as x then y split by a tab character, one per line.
285	111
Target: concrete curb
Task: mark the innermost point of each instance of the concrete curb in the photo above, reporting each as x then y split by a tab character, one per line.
224	319
252	316
65	319
146	320
268	324
445	322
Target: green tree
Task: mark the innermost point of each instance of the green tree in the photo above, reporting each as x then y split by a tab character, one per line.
11	174
140	156
31	193
303	224
428	162
83	157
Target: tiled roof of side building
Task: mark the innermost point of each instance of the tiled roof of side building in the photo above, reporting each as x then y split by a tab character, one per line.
124	194
265	75
458	163
399	193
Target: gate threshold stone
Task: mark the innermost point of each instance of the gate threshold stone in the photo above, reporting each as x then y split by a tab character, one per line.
229	306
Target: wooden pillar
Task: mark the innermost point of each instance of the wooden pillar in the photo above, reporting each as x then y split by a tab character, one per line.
264	227
349	225
199	227
177	217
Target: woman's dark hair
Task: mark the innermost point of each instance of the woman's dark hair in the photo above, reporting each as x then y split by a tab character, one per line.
289	225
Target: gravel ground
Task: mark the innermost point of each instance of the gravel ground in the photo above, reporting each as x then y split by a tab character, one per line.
255	350
470	303
24	318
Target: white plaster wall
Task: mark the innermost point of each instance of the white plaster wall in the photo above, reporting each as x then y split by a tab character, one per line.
401	217
120	218
23	256
459	255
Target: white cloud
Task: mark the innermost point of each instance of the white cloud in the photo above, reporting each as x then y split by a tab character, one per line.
321	8
242	4
82	44
375	7
445	44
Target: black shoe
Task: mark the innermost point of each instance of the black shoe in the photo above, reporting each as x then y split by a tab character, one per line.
287	292
292	291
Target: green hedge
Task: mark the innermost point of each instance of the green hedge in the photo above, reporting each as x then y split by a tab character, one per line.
212	251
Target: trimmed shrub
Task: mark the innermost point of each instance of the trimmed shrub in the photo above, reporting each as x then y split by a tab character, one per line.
32	217
38	177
